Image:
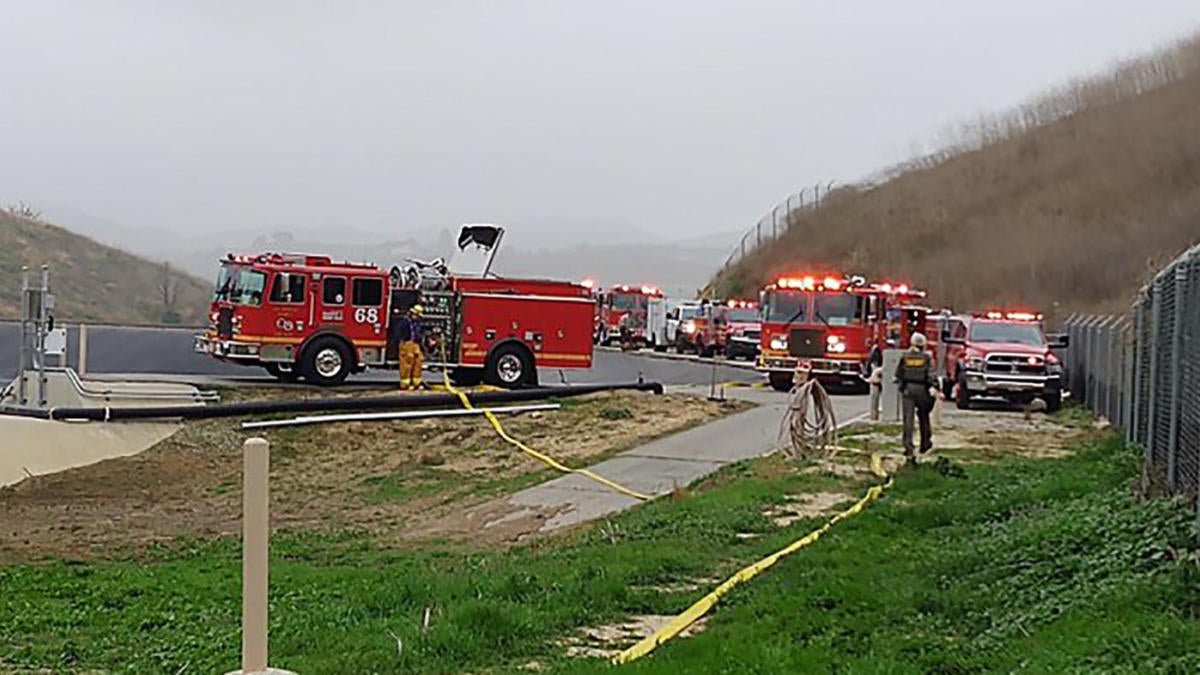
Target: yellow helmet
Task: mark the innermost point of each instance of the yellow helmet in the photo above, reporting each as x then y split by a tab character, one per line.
417	310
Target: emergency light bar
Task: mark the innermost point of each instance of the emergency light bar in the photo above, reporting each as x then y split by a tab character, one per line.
741	304
644	290
1011	316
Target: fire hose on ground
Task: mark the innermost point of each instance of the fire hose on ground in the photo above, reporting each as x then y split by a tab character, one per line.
810	422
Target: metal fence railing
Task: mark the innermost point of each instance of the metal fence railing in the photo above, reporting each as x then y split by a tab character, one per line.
774	224
1141	371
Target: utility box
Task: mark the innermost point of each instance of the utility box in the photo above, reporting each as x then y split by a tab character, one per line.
890	396
56	342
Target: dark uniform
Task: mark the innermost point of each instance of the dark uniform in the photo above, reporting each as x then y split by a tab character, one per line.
915	375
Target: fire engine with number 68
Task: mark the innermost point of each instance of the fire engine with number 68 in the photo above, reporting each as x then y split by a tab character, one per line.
307	316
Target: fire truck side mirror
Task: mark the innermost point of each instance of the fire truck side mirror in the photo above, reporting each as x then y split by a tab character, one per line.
1058	341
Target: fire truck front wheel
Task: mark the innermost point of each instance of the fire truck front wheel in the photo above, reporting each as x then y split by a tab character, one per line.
326	361
510	366
283	373
780	381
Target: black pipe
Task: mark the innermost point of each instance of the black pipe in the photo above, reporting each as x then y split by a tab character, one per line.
401	402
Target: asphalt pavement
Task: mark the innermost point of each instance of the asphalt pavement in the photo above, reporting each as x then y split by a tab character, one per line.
660	466
114	350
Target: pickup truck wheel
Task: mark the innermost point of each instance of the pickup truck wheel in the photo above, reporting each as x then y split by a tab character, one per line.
281	372
510	366
948	387
326	362
781	381
1053	400
963	398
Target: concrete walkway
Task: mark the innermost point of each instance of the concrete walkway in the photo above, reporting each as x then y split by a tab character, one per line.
657	468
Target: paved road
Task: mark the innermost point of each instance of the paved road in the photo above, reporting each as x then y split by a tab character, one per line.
658	467
168	351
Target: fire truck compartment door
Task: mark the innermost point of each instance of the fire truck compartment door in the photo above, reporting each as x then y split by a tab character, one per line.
477	246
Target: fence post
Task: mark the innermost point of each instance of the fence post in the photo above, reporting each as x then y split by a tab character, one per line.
256	525
82	369
1152	378
1181	278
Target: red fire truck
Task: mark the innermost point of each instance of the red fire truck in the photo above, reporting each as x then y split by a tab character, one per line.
832	322
308	316
632	301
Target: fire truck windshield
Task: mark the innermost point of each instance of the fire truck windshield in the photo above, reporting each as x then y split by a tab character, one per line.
1019	333
787	306
240	285
625	302
838	309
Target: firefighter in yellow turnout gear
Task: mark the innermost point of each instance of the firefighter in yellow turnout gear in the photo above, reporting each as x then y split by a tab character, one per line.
914	373
412	361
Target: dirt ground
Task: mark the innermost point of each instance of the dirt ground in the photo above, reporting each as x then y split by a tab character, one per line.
966	437
383	478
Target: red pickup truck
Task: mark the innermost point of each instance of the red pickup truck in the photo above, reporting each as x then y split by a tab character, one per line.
1002	355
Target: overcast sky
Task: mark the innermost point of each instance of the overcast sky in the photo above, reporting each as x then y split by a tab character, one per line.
565	120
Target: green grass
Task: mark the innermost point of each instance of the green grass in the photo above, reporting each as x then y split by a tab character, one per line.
1044	566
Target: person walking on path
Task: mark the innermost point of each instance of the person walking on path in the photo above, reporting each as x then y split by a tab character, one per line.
914	373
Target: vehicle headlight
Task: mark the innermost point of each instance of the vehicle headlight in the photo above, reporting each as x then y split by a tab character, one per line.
834	345
689	326
779	343
975	363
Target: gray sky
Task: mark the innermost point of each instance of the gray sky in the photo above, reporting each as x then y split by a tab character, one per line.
565	120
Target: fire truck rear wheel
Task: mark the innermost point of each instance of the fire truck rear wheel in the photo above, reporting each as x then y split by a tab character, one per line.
326	362
510	366
781	381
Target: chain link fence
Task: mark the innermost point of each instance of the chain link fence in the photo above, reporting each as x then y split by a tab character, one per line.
1141	371
774	224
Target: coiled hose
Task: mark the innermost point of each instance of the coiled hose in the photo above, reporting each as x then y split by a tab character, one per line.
810	422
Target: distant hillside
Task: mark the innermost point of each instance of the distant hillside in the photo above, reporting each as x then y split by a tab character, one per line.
1070	200
93	282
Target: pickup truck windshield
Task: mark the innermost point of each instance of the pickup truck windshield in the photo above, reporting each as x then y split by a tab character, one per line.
743	315
1020	333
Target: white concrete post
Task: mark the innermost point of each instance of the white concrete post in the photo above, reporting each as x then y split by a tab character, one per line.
891	390
82	350
256	458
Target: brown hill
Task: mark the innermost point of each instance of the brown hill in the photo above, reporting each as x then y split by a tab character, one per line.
1068	202
93	282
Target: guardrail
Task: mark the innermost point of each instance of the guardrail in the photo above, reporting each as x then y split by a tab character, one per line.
1141	371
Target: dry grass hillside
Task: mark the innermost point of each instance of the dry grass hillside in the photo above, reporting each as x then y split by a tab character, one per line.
1071	199
93	282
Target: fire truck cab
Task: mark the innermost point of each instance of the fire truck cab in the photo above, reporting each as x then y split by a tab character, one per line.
633	304
832	323
308	316
1004	355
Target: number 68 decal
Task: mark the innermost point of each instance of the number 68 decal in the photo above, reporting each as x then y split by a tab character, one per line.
366	315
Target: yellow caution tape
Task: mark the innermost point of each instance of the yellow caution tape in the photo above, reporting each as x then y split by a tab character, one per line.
546	459
692	614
